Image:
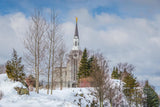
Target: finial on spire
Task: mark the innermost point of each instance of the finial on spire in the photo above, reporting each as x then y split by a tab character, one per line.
76	19
76	29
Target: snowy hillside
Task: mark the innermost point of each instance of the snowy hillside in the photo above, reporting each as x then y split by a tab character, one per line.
60	98
68	97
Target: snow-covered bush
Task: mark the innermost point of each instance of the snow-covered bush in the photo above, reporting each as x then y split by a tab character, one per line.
21	90
1	94
14	68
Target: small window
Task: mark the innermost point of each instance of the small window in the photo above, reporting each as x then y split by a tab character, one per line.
75	43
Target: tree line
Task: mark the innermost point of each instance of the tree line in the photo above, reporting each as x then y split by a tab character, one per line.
96	66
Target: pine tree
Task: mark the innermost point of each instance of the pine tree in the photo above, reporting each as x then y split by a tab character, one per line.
130	87
151	97
83	69
90	62
115	74
14	68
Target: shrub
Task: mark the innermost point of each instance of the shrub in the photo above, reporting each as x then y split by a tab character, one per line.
14	68
1	94
31	81
21	90
94	103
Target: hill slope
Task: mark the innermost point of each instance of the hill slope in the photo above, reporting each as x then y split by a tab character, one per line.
61	98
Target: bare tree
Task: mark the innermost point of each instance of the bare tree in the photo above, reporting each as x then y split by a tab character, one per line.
111	92
125	67
100	78
54	38
116	99
61	58
35	44
131	86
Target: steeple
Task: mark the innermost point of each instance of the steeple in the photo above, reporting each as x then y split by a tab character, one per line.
76	38
76	29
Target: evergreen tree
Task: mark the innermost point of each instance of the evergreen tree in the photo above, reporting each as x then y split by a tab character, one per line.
130	87
115	74
90	63
83	69
14	68
151	97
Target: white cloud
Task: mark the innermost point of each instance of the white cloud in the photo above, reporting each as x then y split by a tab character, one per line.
155	40
114	37
133	40
12	31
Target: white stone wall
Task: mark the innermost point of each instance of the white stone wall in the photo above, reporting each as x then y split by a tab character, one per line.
68	71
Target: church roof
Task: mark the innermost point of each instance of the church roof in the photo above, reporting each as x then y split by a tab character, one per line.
76	29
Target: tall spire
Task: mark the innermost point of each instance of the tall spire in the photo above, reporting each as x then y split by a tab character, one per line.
76	38
76	29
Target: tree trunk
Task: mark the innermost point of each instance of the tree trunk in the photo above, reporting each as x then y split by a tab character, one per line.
61	81
38	68
52	71
49	66
36	64
35	44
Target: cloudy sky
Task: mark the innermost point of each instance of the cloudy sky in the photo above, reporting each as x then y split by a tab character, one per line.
124	30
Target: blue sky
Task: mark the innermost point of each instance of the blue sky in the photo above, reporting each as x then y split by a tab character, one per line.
124	30
125	8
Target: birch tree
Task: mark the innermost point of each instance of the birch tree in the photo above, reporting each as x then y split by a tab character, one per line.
61	60
35	44
54	38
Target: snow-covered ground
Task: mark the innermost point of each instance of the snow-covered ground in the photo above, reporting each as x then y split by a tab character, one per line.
69	97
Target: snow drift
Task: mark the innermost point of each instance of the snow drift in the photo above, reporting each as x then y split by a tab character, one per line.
71	97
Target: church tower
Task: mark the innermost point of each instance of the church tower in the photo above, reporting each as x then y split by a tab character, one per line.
76	38
75	57
69	74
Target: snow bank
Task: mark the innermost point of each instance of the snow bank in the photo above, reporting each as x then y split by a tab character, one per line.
61	98
68	97
7	86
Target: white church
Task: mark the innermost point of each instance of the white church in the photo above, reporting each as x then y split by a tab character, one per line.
69	73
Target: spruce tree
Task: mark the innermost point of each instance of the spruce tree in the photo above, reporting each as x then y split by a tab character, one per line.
84	68
151	97
115	74
14	68
90	63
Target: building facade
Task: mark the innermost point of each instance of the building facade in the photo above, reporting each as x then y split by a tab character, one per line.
69	73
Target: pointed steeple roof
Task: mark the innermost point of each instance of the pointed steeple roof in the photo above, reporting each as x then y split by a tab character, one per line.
76	29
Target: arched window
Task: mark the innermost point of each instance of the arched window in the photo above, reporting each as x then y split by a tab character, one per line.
75	43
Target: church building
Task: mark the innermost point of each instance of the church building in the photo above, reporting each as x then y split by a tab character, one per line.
69	73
